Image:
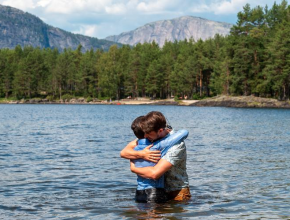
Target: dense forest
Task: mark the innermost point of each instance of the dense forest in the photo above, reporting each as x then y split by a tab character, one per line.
254	59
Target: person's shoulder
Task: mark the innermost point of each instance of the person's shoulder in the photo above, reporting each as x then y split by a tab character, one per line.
178	147
184	131
144	141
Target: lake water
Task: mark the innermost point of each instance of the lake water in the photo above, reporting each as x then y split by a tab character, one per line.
62	162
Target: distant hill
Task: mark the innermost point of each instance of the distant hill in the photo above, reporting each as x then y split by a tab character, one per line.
20	28
171	30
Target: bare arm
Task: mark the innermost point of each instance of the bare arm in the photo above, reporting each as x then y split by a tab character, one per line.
129	153
152	172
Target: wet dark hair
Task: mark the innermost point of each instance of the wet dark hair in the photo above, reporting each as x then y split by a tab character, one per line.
136	127
153	121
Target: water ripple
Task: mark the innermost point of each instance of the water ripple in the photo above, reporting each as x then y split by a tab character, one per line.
62	162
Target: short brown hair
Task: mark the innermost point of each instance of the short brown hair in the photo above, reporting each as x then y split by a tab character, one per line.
136	127
153	121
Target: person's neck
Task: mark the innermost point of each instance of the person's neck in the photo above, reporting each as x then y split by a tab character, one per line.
164	133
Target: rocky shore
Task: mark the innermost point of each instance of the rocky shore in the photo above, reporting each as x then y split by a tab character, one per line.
218	101
61	101
242	102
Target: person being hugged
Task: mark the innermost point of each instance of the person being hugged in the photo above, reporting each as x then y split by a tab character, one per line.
144	156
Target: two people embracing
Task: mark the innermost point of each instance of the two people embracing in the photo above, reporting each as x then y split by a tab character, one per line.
158	157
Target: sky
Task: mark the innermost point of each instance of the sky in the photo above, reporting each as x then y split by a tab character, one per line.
102	18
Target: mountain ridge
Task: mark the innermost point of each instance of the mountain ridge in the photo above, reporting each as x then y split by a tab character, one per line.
31	30
180	28
22	28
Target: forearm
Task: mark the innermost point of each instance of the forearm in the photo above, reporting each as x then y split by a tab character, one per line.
131	154
146	172
152	172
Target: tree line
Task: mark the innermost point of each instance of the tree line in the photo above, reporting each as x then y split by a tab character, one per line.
254	59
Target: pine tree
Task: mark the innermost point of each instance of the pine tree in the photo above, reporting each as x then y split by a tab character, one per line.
220	78
7	69
108	68
63	73
134	69
86	80
278	66
153	79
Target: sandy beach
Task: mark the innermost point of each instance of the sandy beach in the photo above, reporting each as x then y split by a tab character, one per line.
156	102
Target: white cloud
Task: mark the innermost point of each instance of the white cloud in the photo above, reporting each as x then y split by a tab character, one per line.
43	3
63	6
88	30
131	6
101	18
72	6
200	8
116	9
226	7
20	4
155	6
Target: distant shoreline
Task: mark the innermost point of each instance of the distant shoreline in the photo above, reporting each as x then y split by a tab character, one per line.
242	102
218	101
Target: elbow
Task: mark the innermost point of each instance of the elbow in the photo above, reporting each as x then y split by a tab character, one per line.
132	168
122	154
155	175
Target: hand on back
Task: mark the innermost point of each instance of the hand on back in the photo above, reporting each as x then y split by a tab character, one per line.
151	155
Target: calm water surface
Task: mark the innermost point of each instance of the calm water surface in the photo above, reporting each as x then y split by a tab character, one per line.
62	162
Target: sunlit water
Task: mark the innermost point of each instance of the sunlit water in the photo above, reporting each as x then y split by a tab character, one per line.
62	162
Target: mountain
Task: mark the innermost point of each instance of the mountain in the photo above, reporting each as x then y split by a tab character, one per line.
20	28
171	30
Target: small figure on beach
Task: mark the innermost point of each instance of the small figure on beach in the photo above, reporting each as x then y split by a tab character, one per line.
161	166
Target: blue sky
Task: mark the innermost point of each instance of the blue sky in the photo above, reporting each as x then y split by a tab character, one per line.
101	18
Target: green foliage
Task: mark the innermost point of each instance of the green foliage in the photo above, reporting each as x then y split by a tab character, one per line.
50	98
89	99
104	98
4	100
253	60
67	97
196	96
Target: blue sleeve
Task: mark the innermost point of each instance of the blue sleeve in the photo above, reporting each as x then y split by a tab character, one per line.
166	143
142	143
163	145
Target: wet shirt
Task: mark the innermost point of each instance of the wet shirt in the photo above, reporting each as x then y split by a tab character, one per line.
176	178
163	145
144	183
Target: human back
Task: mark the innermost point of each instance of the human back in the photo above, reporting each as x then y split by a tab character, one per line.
162	145
154	128
176	178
